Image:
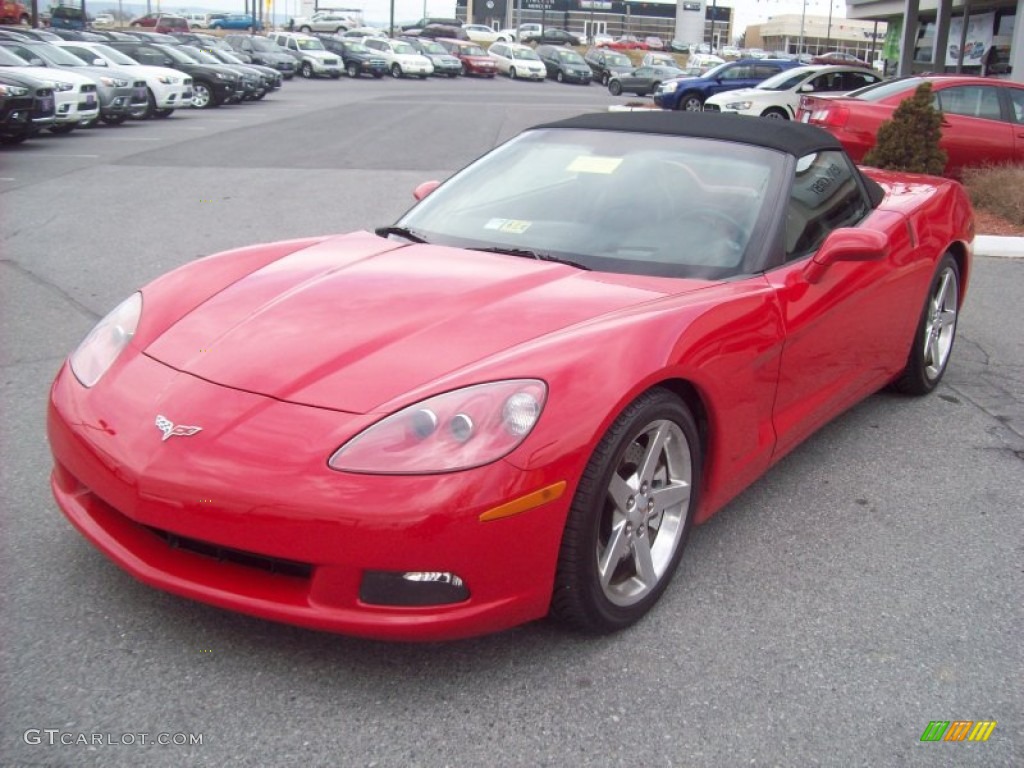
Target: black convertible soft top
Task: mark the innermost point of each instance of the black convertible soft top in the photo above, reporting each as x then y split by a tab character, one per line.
793	138
797	139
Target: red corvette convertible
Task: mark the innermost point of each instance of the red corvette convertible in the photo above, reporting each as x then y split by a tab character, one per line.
518	399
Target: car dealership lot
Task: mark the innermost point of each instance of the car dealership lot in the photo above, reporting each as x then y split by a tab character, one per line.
868	585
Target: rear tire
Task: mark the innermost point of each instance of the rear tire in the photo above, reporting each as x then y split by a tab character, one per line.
935	334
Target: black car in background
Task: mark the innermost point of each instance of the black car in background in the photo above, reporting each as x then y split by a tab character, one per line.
27	106
643	80
264	52
605	63
212	85
356	58
551	36
565	65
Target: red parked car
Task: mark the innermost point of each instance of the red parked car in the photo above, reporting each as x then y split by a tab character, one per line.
627	43
519	398
983	119
475	60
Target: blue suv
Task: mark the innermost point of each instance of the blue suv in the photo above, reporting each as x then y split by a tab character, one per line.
690	93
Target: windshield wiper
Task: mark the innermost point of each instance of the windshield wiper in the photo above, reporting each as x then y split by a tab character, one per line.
409	234
527	254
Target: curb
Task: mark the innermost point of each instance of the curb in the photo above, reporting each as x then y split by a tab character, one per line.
999	247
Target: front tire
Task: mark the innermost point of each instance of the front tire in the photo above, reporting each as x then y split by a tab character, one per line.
691	102
352	69
615	88
935	334
396	71
307	70
512	73
775	114
629	520
202	96
560	77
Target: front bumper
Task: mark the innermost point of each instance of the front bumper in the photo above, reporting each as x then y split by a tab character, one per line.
280	535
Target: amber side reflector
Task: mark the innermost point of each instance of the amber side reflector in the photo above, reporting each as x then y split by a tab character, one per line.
524	503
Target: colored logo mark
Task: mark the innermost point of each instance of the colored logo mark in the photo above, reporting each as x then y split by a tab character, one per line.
958	730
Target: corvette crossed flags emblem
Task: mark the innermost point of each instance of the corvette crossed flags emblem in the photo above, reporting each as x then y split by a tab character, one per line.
170	429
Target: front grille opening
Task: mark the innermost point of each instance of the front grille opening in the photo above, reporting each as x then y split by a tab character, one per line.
275	565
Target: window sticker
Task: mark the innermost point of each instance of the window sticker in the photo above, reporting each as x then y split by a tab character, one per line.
512	226
594	164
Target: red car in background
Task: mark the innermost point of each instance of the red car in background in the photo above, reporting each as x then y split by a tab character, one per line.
475	60
627	43
982	124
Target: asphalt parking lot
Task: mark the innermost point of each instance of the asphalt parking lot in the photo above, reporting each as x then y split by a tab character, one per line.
871	583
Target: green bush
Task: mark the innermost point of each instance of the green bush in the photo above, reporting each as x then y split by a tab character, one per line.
909	141
997	189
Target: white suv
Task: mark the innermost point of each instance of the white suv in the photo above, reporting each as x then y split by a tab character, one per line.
401	57
517	60
313	58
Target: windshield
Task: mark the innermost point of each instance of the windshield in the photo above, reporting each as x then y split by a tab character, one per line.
51	54
262	44
9	59
473	50
715	71
200	55
631	203
227	56
571	57
784	81
436	48
403	48
885	89
176	53
617	60
113	54
310	45
356	48
524	53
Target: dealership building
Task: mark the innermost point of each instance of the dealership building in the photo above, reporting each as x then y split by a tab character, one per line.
936	39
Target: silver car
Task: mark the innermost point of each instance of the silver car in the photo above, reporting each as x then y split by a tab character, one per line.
120	93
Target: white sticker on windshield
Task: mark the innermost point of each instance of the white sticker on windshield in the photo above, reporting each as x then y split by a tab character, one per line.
513	226
594	164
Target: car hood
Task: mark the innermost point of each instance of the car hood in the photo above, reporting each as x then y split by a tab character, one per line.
355	321
52	73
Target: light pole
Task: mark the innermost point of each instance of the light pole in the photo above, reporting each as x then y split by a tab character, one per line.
803	18
714	14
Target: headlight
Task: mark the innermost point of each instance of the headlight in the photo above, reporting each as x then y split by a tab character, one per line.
12	90
739	106
106	341
220	75
167	79
462	429
669	87
113	82
62	87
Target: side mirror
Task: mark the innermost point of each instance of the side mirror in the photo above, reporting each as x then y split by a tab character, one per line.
846	244
805	88
36	62
425	189
99	63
